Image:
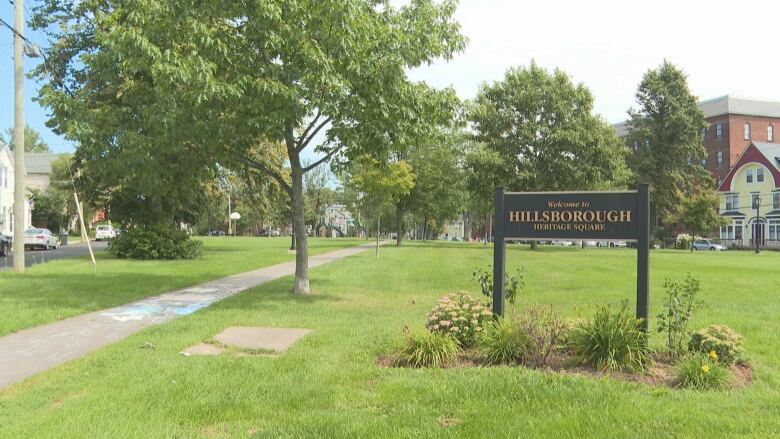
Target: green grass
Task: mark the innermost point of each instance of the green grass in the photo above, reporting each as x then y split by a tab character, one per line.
328	384
67	287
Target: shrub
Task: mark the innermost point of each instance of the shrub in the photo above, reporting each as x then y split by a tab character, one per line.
546	333
685	240
700	371
720	340
459	315
161	241
679	305
425	349
611	341
503	342
513	284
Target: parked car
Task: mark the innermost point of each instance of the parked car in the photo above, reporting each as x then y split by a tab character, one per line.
216	233
591	244
269	232
563	243
40	238
104	232
706	244
5	245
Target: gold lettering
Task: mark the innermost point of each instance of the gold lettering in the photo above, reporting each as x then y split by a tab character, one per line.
625	216
514	216
577	216
612	216
588	216
566	216
555	216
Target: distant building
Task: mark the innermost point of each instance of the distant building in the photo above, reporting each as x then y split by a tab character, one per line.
38	169
753	180
733	123
454	230
7	173
337	217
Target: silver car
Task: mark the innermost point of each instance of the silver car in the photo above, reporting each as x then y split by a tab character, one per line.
706	244
40	238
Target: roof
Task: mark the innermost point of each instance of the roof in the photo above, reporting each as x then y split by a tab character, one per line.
738	105
725	105
39	162
767	154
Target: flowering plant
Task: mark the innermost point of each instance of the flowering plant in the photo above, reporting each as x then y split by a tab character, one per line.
459	315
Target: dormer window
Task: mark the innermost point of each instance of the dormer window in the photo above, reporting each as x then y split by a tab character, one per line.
759	175
749	177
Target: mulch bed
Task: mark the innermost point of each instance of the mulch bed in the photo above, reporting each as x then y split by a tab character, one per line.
661	372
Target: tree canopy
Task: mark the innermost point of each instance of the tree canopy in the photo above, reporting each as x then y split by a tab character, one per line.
666	127
33	142
539	133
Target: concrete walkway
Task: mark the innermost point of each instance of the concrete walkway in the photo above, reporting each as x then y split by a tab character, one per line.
33	350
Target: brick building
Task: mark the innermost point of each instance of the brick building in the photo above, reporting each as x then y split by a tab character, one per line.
733	123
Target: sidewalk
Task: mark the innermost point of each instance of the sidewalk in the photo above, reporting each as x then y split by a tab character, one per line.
33	350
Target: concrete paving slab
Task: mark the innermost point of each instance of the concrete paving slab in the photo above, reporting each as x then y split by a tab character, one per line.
273	339
203	349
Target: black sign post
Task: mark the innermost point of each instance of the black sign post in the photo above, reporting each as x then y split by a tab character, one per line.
611	216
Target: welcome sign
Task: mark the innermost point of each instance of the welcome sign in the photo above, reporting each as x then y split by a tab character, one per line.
542	216
572	215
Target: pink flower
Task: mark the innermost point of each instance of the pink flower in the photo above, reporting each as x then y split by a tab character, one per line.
445	323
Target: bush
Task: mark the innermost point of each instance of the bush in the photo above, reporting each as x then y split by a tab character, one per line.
700	371
611	341
684	241
719	341
546	333
426	349
155	242
513	284
503	342
459	315
679	305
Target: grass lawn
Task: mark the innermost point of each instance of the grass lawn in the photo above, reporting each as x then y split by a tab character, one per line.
328	385
67	287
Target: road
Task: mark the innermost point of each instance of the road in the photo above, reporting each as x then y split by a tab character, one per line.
40	256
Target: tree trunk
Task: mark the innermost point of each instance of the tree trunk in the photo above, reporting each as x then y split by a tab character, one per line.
299	225
468	220
399	224
378	219
488	228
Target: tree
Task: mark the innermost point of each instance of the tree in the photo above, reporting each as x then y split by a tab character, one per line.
32	140
699	212
483	174
381	184
540	134
668	125
215	77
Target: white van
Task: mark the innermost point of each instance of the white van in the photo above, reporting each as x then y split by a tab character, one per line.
104	232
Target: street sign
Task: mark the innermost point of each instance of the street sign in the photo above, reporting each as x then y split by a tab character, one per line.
543	216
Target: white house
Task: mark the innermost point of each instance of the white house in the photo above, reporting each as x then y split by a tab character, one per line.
7	193
338	217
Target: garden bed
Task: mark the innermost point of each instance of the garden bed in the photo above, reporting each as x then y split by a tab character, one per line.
661	372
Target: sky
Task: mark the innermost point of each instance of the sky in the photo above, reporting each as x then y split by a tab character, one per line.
724	47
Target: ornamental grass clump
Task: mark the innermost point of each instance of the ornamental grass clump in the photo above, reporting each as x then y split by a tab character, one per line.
459	315
424	349
720	339
611	341
704	372
502	342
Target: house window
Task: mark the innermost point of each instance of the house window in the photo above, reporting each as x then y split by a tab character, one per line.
749	176
704	162
774	230
776	200
770	133
719	131
738	229
746	129
720	159
732	202
759	175
704	134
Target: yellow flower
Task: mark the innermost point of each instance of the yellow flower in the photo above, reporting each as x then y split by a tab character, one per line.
713	355
705	368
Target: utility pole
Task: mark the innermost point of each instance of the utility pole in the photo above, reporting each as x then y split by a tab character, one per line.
20	211
757	224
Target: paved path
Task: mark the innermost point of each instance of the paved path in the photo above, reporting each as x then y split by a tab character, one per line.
34	350
32	257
